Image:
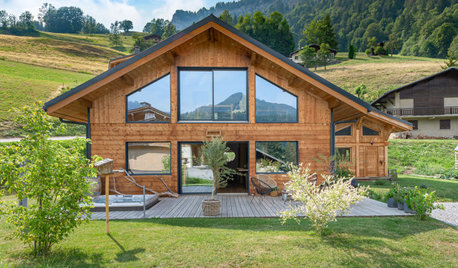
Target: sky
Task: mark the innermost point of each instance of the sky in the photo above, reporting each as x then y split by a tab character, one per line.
108	11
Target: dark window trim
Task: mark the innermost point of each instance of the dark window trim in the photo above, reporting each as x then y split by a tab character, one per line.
179	69
276	122
179	177
378	132
445	121
147	174
297	157
138	89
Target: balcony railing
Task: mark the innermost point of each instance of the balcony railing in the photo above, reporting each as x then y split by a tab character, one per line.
423	111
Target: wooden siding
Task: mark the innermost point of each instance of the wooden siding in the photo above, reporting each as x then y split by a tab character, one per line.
110	132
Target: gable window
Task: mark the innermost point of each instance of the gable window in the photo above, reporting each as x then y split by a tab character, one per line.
369	131
344	132
151	103
148	158
273	103
212	94
444	124
414	124
275	156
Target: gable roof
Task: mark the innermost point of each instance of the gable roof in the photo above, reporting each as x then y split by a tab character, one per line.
451	69
212	19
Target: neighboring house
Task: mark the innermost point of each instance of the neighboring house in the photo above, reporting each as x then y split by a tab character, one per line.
214	80
430	104
294	56
153	37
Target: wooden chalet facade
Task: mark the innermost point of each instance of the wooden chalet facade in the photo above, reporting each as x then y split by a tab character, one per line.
211	79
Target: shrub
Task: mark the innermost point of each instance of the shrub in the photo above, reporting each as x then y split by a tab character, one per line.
380	182
368	52
380	51
320	204
51	176
351	52
422	201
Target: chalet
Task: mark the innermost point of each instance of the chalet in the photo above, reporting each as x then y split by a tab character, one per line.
294	56
429	104
151	111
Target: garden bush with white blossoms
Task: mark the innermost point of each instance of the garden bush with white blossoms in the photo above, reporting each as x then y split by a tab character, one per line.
321	203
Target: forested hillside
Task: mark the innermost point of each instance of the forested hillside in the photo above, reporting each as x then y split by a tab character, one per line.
425	27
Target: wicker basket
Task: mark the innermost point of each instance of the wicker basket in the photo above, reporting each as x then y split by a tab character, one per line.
211	207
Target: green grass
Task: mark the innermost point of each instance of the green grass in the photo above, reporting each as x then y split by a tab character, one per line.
22	84
446	190
197	181
355	242
425	157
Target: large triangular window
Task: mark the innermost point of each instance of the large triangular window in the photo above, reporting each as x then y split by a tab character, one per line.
273	103
151	103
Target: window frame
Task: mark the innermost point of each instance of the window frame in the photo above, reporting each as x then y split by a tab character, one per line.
371	129
287	91
138	89
255	158
212	121
147	174
447	122
341	135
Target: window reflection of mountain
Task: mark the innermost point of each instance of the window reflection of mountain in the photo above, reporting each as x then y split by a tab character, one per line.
147	113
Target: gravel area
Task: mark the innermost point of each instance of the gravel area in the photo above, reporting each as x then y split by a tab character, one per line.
449	215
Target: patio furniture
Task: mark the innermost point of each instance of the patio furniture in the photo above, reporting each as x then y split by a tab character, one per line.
262	188
268	180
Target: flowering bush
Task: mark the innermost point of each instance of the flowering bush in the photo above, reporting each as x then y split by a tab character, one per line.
320	203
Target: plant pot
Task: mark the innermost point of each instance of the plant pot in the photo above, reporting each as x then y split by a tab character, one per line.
211	207
286	196
391	203
274	193
408	210
400	206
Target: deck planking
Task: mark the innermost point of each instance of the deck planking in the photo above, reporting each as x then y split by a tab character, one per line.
240	206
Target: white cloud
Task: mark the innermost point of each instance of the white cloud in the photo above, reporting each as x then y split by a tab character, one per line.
170	6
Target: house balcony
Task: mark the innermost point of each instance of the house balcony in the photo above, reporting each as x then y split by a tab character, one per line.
446	110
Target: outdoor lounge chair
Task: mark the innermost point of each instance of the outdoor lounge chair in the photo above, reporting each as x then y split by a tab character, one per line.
261	187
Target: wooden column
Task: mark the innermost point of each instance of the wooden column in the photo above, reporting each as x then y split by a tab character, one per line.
107	204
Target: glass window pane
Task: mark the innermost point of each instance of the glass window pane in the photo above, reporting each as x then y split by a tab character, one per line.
273	104
196	98
230	95
275	156
344	132
148	157
195	176
150	103
369	132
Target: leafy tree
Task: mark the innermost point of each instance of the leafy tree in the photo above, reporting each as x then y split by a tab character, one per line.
324	55
169	30
89	25
26	21
226	17
308	57
51	176
393	43
63	20
115	37
321	31
126	25
3	19
443	37
361	91
351	51
452	58
140	42
155	26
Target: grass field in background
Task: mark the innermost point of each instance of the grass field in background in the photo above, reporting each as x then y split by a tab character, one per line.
239	242
446	190
378	73
425	157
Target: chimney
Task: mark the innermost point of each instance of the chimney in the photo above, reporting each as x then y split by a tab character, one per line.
136	50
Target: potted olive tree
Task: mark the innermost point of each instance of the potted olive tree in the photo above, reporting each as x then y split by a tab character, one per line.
216	154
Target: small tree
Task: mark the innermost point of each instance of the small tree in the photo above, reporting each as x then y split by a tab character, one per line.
51	176
324	55
308	57
351	51
393	44
216	154
126	25
361	91
115	37
320	203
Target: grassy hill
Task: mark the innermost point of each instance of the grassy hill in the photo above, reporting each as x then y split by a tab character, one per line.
378	73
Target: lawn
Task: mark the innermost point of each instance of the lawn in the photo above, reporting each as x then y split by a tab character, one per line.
446	190
425	157
22	84
355	242
378	73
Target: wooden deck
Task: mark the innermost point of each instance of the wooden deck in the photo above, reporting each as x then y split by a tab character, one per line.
240	206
